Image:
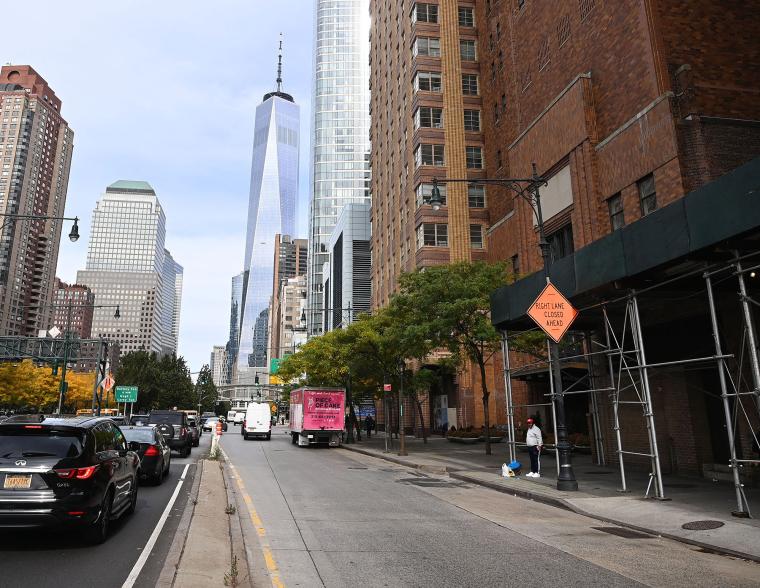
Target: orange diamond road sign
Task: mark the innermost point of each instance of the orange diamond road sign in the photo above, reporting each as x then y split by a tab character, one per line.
108	382
552	312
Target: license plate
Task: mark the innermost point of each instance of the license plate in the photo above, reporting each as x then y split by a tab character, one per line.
18	481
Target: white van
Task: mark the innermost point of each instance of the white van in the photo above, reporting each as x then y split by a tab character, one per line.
258	421
231	417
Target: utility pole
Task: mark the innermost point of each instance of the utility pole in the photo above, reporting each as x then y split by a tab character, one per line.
401	441
63	385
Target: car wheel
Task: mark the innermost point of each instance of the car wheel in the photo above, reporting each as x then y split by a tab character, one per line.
269	435
168	465
186	450
97	533
133	498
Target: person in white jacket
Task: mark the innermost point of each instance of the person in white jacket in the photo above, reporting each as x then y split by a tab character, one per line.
535	441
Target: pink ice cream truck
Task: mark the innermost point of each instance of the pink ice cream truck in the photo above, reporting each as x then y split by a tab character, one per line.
317	416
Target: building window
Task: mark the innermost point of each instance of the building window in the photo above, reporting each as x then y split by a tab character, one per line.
476	196
467	50
515	265
498	159
495	112
433	235
504	103
424	191
427	82
466	17
474	156
586	7
427	46
520	4
470	84
471	120
617	217
647	194
428	117
429	155
563	30
425	13
476	236
561	242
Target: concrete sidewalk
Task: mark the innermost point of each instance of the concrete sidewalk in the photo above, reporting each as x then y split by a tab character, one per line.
689	499
212	538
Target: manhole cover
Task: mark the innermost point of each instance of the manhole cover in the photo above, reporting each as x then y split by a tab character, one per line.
623	532
597	473
702	525
680	486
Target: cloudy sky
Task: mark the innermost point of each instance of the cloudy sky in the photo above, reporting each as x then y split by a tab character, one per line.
165	91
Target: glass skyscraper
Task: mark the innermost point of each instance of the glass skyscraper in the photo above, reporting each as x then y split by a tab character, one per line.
340	131
271	211
128	266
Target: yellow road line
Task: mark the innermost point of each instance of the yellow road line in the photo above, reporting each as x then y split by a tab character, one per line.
274	572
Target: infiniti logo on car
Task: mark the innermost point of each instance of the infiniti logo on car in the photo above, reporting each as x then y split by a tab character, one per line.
20	462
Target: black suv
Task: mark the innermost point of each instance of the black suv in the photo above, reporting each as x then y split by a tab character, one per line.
173	426
66	470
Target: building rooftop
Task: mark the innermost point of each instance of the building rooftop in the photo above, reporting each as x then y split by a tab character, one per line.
135	186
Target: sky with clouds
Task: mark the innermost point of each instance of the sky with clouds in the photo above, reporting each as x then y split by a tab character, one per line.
165	91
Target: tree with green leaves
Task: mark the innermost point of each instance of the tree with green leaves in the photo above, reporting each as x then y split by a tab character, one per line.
206	393
449	307
162	382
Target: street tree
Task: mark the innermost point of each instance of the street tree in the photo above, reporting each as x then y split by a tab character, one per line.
206	394
448	307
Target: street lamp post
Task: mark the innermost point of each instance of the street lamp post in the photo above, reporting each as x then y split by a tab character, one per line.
528	190
73	234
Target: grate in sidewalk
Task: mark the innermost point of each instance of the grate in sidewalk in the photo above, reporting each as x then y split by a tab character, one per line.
431	483
623	532
702	525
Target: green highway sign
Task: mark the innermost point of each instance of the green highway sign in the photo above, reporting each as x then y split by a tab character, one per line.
274	365
126	394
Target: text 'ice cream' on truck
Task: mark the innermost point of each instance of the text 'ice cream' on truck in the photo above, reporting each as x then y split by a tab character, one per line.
317	416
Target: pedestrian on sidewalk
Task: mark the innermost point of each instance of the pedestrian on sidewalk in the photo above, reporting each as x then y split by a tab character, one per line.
535	442
369	424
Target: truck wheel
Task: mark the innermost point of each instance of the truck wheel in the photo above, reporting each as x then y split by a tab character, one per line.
293	438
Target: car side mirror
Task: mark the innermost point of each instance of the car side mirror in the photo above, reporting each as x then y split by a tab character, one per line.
133	446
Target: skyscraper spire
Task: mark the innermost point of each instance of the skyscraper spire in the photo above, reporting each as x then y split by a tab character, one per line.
279	67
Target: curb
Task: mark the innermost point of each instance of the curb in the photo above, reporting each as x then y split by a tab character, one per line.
238	547
558	503
169	571
423	467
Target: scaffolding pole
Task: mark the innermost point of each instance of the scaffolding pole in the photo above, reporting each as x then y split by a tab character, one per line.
742	507
751	335
638	338
615	397
508	398
595	421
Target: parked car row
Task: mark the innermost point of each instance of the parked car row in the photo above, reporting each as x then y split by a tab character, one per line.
84	471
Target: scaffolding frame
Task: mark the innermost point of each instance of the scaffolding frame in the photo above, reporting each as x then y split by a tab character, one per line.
629	375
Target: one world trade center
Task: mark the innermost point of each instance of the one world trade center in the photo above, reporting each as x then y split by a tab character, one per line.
271	211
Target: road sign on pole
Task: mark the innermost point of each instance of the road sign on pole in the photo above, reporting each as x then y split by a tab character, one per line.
126	394
552	312
108	383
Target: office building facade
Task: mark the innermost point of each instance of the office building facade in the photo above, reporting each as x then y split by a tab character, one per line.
271	211
72	309
290	259
218	365
35	156
340	128
236	301
347	276
127	267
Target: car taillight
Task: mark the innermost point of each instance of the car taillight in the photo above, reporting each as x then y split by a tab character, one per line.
78	473
32	426
152	451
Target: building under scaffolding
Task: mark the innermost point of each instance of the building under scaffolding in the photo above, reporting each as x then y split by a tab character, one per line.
661	370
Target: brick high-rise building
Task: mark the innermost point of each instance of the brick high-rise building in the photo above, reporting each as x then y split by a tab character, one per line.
642	116
35	157
290	261
426	122
81	299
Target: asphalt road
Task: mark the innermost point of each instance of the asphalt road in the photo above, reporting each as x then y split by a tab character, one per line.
57	558
329	517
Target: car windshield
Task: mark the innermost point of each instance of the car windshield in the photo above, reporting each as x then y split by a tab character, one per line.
139	435
166	418
39	443
211	420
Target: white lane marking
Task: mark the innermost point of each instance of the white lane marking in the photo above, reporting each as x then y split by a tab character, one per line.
140	563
